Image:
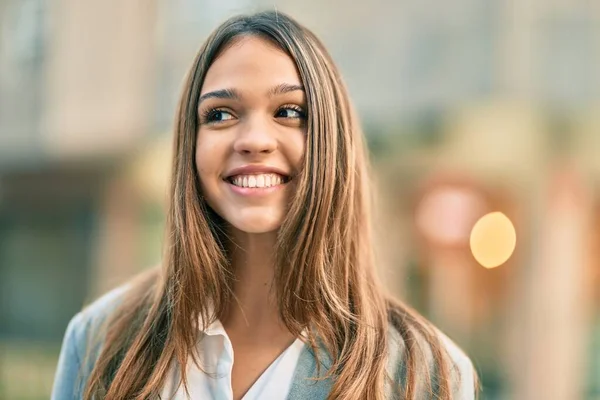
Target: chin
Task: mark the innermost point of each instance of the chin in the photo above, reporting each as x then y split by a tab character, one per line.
258	223
257	226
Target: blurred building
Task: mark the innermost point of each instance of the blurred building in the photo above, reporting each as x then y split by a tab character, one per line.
496	101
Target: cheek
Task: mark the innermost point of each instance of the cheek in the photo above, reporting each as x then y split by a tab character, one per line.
295	150
207	158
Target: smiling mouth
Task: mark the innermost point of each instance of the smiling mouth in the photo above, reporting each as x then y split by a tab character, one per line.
258	181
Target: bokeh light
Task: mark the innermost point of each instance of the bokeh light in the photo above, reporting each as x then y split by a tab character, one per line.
446	214
493	240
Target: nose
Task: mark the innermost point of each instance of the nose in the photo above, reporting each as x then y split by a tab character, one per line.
255	137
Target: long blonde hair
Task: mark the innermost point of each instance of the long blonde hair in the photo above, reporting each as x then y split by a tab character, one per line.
325	279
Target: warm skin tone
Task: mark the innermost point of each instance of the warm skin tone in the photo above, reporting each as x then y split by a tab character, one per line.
252	113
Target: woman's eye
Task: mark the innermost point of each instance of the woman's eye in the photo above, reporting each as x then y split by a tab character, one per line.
289	113
218	116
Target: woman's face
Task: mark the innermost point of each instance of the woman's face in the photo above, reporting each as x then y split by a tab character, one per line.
251	136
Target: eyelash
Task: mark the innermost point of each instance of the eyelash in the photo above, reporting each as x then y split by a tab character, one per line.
294	107
210	112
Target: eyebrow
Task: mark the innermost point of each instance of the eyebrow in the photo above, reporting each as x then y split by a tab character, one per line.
284	88
234	94
221	94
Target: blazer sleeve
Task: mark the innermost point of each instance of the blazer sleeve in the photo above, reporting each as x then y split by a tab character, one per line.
82	344
463	373
465	386
67	382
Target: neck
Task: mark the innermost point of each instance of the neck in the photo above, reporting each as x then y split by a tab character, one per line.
254	308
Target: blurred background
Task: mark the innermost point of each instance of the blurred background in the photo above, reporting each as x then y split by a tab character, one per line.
483	120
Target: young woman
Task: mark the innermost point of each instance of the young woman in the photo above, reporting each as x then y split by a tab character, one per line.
269	258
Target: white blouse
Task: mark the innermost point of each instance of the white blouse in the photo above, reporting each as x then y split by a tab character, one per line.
216	357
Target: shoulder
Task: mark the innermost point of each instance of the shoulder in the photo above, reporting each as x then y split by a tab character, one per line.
94	314
90	320
462	370
106	303
462	373
82	343
86	323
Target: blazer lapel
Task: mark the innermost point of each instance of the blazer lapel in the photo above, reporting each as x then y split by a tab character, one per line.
304	385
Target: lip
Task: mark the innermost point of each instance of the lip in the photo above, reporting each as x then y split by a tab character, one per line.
256	169
253	192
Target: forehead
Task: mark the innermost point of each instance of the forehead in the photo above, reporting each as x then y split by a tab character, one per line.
250	62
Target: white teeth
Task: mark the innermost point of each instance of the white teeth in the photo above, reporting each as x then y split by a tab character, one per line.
257	181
